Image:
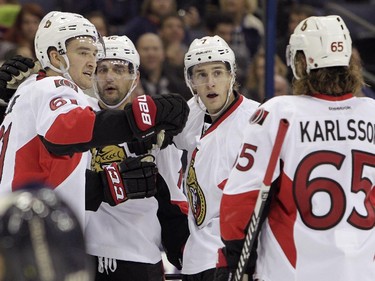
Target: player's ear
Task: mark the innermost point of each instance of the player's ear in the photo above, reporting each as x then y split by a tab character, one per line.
56	59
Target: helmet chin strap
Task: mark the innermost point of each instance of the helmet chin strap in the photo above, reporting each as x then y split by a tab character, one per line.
62	70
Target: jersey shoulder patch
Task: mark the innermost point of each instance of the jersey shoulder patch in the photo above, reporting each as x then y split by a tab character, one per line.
65	82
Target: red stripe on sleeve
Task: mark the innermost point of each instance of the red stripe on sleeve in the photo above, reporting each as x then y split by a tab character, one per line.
34	163
235	212
75	126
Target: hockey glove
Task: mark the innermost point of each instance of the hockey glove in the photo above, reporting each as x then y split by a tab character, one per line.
12	73
148	115
133	178
223	272
140	147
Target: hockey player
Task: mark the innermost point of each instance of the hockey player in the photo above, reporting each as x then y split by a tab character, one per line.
138	257
212	137
41	238
49	122
320	224
116	77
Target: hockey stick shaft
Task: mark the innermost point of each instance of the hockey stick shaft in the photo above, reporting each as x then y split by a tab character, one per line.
254	226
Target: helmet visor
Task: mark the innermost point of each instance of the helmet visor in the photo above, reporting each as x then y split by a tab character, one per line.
215	76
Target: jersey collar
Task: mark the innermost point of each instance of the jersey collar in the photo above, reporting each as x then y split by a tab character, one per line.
332	98
235	104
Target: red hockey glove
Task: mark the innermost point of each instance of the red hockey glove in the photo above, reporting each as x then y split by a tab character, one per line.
223	272
148	115
12	73
133	178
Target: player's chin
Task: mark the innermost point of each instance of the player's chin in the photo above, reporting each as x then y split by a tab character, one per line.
86	83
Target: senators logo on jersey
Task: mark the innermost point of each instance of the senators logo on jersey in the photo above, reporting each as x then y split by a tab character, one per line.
102	157
196	197
259	116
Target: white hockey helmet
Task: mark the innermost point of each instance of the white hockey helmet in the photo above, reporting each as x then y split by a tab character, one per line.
56	28
324	40
120	48
208	49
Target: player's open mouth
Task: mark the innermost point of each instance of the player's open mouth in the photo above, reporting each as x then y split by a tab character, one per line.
213	95
109	89
89	74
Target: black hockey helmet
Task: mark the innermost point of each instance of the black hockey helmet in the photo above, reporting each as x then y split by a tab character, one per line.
41	238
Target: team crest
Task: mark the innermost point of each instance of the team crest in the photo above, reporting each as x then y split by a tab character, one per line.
104	156
196	197
64	82
259	116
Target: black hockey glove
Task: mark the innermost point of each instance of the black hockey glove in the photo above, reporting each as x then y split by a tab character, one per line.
148	116
133	178
140	147
223	271
12	72
223	274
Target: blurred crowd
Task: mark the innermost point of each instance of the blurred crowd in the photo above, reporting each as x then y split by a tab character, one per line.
162	30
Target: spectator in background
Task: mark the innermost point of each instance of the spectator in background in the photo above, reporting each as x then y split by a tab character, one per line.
98	19
254	86
247	34
22	33
222	24
172	33
294	14
281	86
366	90
155	78
8	14
152	11
191	13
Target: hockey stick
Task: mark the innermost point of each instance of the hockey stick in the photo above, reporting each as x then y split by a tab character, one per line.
254	226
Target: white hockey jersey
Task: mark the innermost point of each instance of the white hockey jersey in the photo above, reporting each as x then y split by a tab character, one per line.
322	217
212	151
131	231
57	110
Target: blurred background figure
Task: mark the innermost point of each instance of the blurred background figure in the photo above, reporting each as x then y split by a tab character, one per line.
219	23
40	238
172	33
156	78
248	32
152	12
22	33
366	90
8	13
254	85
193	13
98	19
291	16
282	86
